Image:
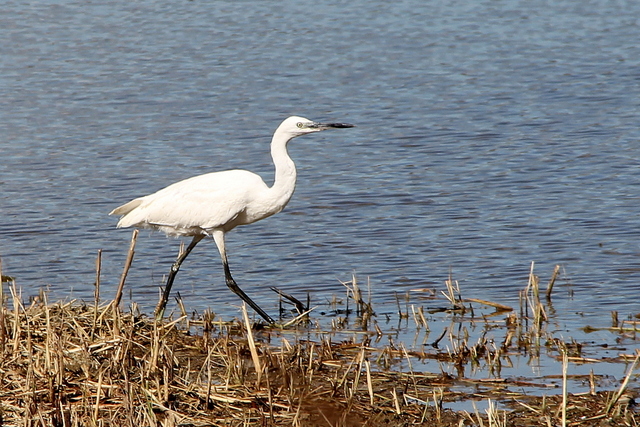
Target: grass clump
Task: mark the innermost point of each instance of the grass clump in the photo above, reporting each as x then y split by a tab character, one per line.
77	364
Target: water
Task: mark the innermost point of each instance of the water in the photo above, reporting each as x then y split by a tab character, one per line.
490	134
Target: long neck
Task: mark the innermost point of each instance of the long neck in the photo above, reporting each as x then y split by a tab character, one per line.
285	180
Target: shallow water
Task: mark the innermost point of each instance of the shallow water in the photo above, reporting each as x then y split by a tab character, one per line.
490	134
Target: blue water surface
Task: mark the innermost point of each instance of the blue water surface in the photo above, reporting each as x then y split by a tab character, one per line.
490	134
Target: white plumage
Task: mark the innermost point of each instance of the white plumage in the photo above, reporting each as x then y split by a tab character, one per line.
214	203
201	204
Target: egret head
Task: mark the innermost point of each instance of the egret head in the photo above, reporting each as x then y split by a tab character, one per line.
296	126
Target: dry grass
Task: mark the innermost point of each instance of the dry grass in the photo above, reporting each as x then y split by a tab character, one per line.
68	364
76	364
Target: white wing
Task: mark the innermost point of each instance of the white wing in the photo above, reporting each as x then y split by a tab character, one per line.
217	200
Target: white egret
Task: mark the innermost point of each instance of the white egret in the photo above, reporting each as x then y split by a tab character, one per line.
215	203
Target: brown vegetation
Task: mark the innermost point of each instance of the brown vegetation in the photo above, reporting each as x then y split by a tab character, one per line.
76	364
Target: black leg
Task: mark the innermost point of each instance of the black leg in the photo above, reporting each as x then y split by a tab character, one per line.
300	307
172	275
236	290
218	236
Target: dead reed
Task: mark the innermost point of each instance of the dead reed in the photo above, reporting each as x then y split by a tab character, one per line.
66	364
76	364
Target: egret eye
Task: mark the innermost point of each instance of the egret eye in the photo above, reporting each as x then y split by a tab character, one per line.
300	125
